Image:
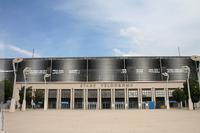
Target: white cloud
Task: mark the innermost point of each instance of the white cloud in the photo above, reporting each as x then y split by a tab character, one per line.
18	50
118	52
151	27
136	35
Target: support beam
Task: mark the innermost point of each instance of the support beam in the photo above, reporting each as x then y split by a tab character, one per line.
100	105
46	92
167	98
112	98
86	98
32	95
97	99
71	99
58	99
153	94
125	98
140	98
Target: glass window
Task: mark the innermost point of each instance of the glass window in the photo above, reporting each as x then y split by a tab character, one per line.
146	93
160	93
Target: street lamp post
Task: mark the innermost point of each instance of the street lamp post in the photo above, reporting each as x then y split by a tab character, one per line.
166	90
124	71
187	68
13	102
25	72
45	94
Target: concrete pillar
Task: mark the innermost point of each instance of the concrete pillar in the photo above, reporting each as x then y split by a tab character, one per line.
112	98
100	106
140	98
46	92
32	95
125	98
86	98
71	99
153	94
167	98
58	99
97	99
128	98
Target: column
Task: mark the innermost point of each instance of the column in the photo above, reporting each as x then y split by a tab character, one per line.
112	98
167	98
153	95
86	98
46	92
100	106
140	98
58	99
71	98
126	97
97	99
32	95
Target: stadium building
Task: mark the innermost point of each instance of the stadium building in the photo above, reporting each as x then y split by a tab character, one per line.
101	82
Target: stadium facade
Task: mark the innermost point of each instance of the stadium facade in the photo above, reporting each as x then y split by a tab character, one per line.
102	82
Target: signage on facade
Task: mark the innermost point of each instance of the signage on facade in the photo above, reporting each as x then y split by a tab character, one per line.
106	85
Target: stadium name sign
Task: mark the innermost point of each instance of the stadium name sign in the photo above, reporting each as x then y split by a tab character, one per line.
106	85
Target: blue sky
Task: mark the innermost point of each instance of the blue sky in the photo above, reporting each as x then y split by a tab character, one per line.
99	27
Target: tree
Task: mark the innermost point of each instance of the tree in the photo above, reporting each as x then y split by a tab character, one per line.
194	90
179	95
39	98
8	89
28	96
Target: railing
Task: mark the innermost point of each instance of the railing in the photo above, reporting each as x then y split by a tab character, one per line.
106	105
133	105
78	105
92	105
119	105
65	105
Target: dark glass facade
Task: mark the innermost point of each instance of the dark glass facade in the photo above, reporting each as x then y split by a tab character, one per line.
82	69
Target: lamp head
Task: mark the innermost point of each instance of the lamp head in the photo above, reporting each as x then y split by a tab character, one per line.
195	58
47	75
17	60
185	67
27	70
165	74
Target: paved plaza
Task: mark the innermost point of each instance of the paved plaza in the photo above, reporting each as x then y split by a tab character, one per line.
103	121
